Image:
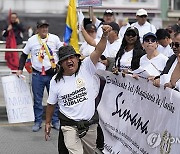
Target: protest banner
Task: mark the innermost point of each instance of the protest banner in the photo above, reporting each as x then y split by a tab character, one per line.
89	3
18	99
137	117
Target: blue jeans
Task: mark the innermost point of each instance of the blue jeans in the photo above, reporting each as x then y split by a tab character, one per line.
39	82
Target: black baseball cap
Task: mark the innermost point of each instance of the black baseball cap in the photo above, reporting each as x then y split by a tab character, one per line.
149	34
90	28
41	23
108	12
114	26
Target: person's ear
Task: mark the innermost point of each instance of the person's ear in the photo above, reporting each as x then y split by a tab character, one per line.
142	45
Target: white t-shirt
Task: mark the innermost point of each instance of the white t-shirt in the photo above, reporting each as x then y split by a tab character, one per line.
112	49
167	51
125	61
99	29
100	66
87	49
123	30
33	47
159	62
143	29
75	94
165	78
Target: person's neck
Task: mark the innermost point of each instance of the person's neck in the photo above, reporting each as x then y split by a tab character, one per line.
112	41
67	74
153	54
129	47
43	36
141	24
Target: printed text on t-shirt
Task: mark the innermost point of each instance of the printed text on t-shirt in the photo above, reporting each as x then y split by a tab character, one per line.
75	97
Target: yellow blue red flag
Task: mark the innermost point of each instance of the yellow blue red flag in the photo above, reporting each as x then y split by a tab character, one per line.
71	35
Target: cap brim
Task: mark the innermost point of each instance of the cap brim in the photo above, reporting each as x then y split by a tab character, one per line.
141	15
42	25
108	13
63	58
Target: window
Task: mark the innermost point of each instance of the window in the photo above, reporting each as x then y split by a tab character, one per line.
176	5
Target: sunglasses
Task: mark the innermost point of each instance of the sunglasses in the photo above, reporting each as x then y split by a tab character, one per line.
150	39
130	33
143	16
176	44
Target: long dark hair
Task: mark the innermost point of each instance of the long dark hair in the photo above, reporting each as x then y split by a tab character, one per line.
138	52
59	75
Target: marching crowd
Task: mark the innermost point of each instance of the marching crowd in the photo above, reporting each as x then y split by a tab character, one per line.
68	76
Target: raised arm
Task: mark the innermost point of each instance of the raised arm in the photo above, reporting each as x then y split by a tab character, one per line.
95	55
88	38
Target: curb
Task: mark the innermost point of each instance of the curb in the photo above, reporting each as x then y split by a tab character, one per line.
3	113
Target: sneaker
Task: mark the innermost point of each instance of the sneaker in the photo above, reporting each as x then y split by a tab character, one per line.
56	125
36	127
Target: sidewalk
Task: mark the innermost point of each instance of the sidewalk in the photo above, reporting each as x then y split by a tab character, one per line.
19	139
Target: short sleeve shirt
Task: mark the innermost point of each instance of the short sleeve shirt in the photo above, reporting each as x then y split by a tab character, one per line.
159	62
33	47
125	61
76	94
167	51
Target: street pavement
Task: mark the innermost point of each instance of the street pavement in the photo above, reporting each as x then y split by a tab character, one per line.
19	138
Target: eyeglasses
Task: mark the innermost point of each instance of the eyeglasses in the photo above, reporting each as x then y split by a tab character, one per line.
150	39
176	44
130	33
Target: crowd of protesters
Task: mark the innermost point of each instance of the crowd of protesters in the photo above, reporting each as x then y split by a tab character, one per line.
118	48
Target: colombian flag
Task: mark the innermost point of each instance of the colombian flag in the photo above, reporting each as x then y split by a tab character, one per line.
70	35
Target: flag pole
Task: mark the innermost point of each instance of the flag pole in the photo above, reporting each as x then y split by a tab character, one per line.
91	13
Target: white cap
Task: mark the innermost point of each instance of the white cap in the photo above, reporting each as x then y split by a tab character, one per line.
141	12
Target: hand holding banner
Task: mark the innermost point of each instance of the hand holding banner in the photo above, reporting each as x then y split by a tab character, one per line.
137	117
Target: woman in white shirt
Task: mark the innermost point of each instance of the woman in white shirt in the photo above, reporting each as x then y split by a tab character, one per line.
130	51
153	62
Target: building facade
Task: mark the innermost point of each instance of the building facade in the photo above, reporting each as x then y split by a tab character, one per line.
160	12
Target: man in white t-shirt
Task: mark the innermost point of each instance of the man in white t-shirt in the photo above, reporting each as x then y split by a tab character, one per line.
142	24
42	47
72	87
164	41
86	49
107	17
170	75
113	43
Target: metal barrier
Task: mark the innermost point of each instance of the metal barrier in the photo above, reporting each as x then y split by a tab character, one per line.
11	50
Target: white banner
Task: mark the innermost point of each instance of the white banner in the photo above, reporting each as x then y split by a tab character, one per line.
138	118
19	105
